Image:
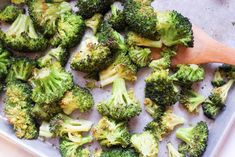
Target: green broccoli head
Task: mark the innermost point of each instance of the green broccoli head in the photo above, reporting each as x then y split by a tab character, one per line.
120	152
122	101
18	1
21	69
216	101
78	98
44	112
228	71
45	15
5	62
21	36
218	79
70	30
93	56
141	18
9	13
161	64
191	100
111	38
61	125
172	152
140	56
174	29
160	88
50	83
122	67
145	143
94	22
153	109
111	133
188	74
194	139
135	39
58	54
72	149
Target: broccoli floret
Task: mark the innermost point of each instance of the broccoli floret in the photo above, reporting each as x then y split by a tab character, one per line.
50	83
21	36
141	17
87	8
191	100
70	30
61	125
93	56
216	101
172	152
162	63
110	133
194	139
117	152
72	149
18	1
218	79
174	29
21	69
135	39
94	22
78	98
45	15
122	101
44	130
5	62
58	54
17	110
145	143
228	70
44	112
121	67
161	89
9	13
153	109
111	38
140	56
188	74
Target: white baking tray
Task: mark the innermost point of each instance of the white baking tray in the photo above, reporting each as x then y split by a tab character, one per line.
210	16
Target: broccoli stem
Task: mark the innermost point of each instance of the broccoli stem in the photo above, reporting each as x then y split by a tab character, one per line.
108	76
18	26
44	130
185	134
224	90
79	140
73	125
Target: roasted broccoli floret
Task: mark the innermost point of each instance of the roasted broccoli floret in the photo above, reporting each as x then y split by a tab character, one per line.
161	64
145	143
18	1
9	13
5	62
70	29
216	101
191	100
140	56
44	112
174	29
58	54
110	133
87	8
141	17
194	139
50	83
94	22
116	152
172	152
93	56
188	74
45	15
135	39
161	89
218	79
111	38
78	98
228	70
122	101
21	36
72	149
62	125
122	67
17	110
21	69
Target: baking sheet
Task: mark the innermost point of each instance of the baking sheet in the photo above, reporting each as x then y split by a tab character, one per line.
215	17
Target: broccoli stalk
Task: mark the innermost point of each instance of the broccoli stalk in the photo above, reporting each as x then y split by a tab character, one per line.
194	139
9	13
44	130
121	101
94	22
218	79
172	152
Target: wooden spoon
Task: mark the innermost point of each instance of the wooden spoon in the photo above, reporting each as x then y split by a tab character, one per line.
205	50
